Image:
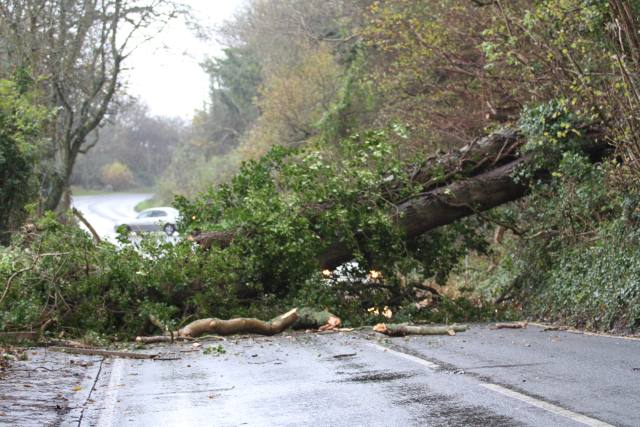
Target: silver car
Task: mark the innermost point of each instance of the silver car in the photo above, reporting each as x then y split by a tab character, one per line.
155	219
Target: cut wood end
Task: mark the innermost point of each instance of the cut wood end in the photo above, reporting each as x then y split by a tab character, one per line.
381	327
333	323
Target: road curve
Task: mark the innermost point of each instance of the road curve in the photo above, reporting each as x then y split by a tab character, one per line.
106	211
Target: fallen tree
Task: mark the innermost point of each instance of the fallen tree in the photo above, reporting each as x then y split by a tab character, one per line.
473	179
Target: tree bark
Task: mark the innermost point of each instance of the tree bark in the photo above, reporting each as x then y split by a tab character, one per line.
239	326
445	205
403	329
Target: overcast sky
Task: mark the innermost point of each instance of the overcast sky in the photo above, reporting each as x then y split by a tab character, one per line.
165	72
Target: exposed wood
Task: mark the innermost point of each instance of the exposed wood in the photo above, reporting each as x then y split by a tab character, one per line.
105	353
511	325
309	318
239	326
403	329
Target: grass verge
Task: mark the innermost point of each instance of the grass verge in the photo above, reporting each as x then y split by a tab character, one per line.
148	203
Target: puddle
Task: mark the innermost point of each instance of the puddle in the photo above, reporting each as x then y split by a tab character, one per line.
378	376
436	409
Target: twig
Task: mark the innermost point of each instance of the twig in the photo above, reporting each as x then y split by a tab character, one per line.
106	353
82	219
514	325
161	338
8	285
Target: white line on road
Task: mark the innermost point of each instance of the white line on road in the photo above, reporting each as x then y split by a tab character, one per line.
549	407
406	356
111	394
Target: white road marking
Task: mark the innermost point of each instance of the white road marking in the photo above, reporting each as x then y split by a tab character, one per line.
549	407
111	394
406	356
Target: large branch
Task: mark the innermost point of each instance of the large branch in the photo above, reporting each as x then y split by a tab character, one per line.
445	205
475	178
240	325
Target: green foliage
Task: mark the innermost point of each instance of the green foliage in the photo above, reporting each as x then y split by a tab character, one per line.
79	286
20	147
214	350
551	130
284	210
293	204
577	261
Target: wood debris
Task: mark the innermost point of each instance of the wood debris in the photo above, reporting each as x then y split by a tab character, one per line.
403	329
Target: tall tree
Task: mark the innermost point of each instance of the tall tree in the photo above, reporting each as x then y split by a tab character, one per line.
75	49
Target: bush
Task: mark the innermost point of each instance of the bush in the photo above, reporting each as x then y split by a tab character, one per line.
117	175
20	146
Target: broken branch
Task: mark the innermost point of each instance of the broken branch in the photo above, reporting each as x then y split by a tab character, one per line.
403	329
511	325
106	353
83	220
240	325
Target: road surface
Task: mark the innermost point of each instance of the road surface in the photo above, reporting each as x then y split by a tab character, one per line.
106	211
482	377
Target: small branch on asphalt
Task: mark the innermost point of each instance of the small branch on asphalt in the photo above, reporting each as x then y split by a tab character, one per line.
160	338
105	353
511	325
403	329
65	343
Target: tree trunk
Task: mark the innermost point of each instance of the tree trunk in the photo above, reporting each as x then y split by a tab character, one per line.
54	191
445	205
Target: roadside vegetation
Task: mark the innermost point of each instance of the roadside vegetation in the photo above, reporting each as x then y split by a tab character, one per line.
325	119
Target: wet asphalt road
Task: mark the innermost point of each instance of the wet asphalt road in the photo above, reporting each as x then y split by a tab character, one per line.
482	377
